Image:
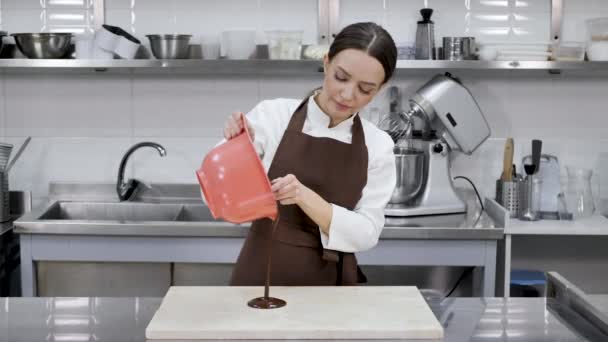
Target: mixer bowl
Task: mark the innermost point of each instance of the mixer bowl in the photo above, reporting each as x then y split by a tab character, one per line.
410	175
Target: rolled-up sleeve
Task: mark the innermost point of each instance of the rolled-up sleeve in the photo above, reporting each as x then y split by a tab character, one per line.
359	229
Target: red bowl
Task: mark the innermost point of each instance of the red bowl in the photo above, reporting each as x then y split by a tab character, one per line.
235	183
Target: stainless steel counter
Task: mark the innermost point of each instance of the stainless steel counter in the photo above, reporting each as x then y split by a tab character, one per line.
125	319
224	229
103	196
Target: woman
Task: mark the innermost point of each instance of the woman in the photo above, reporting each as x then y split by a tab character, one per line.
332	171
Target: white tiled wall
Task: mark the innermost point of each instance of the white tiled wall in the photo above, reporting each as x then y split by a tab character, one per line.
83	123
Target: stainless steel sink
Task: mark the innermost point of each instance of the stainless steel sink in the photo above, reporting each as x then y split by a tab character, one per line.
99	211
194	213
123	218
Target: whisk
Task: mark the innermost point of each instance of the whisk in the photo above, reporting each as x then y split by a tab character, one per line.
397	125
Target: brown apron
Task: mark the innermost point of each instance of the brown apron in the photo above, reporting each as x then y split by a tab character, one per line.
335	170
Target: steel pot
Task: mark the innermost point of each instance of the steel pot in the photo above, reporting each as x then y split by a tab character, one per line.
410	175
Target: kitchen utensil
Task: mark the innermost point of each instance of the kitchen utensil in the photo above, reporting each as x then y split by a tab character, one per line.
507	172
5	154
169	46
425	36
597	41
311	313
238	44
529	198
579	197
235	183
549	172
536	150
530	169
410	174
284	44
43	45
458	48
562	206
18	154
507	195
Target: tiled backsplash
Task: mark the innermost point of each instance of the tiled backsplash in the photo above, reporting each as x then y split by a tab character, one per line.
83	123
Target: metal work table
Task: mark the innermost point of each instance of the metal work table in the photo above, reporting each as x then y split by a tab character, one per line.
588	234
125	319
220	242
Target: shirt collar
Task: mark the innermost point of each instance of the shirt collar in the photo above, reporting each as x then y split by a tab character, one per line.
318	117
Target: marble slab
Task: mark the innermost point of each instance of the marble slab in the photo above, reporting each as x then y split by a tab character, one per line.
349	312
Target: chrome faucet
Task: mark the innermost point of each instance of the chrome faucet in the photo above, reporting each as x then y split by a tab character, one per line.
126	189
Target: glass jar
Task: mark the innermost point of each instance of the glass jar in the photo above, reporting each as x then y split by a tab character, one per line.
579	196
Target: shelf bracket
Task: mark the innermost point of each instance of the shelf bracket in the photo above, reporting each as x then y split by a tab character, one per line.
99	13
329	15
323	23
557	17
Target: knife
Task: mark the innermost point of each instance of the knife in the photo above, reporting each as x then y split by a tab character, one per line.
507	164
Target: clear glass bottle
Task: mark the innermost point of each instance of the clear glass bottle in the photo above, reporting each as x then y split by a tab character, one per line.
579	196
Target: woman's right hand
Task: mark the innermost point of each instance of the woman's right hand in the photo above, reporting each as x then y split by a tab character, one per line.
234	126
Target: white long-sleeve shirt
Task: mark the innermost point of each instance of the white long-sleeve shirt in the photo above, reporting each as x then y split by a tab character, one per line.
350	230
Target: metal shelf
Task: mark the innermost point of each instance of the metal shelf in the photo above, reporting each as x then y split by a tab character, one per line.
256	66
274	67
501	65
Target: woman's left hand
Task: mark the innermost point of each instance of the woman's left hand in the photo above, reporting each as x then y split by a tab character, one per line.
289	190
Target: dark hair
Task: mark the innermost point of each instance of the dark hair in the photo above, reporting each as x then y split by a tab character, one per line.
371	38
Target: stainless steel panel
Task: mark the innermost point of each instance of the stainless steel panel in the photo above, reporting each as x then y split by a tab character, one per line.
111	211
89	279
195	213
197	274
125	319
557	15
273	67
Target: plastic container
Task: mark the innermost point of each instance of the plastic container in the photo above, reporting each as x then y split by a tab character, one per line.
569	51
579	196
235	183
597	41
284	44
238	44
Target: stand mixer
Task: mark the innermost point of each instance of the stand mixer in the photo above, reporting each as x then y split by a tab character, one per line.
451	121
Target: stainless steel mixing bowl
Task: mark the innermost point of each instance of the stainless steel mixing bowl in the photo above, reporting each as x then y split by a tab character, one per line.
169	46
410	175
43	45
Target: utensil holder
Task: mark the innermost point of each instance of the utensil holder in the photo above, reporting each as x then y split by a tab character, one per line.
529	198
507	195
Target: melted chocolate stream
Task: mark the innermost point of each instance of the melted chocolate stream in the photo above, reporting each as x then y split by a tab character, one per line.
268	302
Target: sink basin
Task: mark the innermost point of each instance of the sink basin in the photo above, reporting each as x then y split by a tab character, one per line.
111	211
194	213
125	218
